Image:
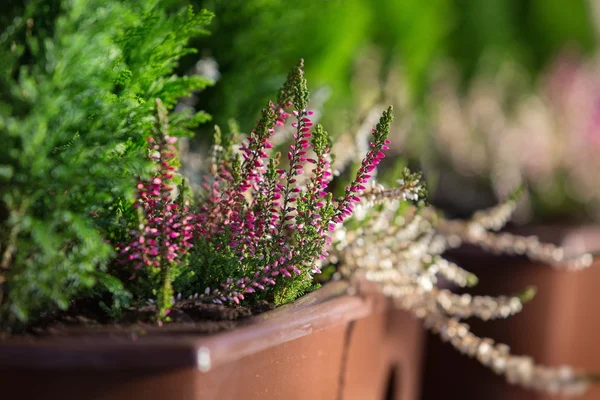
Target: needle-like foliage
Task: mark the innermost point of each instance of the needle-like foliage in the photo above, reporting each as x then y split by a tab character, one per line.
78	83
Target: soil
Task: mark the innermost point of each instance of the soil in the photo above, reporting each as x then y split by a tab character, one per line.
89	319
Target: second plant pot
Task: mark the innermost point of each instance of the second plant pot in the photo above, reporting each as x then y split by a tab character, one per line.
559	326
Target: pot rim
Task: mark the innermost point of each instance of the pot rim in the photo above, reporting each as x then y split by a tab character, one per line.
178	347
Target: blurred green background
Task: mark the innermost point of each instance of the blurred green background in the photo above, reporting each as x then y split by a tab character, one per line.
256	41
364	54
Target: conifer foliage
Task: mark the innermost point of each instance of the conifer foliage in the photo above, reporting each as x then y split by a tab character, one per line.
77	106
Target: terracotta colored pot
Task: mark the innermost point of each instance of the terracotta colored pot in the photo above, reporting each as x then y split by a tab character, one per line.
327	345
559	326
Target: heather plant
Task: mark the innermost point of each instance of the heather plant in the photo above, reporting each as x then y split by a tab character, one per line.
163	237
263	227
400	250
557	118
77	104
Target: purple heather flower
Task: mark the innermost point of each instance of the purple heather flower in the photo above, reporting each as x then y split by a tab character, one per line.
275	227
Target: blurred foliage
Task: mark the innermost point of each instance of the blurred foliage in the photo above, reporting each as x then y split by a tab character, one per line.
504	131
254	43
529	32
255	40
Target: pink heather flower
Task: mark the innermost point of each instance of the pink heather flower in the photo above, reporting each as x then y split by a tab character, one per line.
368	165
166	234
276	228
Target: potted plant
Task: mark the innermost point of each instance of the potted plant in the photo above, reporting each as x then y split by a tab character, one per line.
473	156
92	229
116	278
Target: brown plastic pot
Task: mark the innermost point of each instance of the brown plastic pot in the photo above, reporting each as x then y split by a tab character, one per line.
559	326
327	345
